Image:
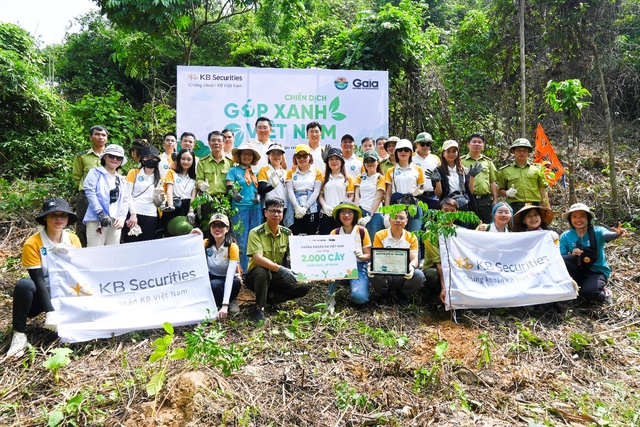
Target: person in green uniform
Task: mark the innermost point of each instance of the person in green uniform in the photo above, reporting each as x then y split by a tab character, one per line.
269	275
211	174
523	182
485	187
82	164
390	147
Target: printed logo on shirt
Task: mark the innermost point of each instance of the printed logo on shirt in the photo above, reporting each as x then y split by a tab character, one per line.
397	173
295	178
178	180
165	166
353	167
209	252
43	251
140	178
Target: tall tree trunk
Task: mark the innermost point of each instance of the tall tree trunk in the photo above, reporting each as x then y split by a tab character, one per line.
608	125
523	77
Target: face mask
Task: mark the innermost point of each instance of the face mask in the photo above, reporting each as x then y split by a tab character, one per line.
150	163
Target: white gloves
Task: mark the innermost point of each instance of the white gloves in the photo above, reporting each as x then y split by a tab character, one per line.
60	249
327	210
364	220
511	192
166	208
203	186
387	222
191	217
409	275
135	230
273	180
359	255
416	191
300	211
51	321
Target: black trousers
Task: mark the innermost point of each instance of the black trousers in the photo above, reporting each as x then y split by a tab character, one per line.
271	286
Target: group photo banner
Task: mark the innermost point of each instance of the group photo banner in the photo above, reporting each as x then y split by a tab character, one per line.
329	257
342	101
100	292
490	270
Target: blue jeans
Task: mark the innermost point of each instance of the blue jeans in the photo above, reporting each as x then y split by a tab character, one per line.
376	224
250	219
217	287
359	286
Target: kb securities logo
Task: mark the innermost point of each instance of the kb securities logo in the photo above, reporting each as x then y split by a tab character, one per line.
214	77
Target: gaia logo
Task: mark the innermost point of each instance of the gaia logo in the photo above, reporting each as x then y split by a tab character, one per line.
238	134
341	83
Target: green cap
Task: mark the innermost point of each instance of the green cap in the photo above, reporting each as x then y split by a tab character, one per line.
424	137
521	142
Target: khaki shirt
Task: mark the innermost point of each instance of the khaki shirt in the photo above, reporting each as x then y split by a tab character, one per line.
489	174
215	173
263	241
527	180
83	162
385	165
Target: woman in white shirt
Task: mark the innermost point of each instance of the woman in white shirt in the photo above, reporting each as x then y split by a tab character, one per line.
143	213
303	183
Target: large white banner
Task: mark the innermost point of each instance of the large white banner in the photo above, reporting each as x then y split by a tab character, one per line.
488	270
342	101
105	291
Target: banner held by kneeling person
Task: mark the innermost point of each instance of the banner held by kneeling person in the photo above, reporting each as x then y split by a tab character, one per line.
329	257
489	270
100	292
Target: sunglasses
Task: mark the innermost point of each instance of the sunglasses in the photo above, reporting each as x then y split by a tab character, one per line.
218	225
369	160
114	157
403	150
422	144
302	156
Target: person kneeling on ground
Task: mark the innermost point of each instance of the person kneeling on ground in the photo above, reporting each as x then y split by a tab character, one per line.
348	214
582	249
268	275
223	257
402	287
31	296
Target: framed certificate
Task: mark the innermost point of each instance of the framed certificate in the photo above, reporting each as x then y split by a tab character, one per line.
389	261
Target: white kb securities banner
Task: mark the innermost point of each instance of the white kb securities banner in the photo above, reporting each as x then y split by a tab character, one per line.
488	270
342	101
104	291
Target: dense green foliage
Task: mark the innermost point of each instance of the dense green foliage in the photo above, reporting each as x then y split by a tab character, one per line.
453	66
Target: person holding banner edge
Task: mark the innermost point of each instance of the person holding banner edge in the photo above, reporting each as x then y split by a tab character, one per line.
223	257
268	275
31	295
582	248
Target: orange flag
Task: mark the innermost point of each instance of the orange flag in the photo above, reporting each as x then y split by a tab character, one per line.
546	155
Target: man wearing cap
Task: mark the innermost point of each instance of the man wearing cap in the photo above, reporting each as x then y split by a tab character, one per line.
485	187
382	153
82	164
428	161
389	147
352	163
268	274
523	182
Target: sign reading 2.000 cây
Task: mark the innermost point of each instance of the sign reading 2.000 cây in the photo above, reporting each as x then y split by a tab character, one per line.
342	101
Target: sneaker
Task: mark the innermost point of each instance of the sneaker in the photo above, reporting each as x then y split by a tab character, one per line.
18	344
234	307
51	321
258	315
607	296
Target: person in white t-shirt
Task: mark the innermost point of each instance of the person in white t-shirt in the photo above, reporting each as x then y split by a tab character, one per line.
169	142
303	183
336	187
428	161
314	134
352	163
143	213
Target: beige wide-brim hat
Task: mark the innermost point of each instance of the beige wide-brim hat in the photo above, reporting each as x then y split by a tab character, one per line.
235	153
578	207
545	214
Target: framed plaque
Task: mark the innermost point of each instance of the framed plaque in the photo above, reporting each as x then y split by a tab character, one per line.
389	261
